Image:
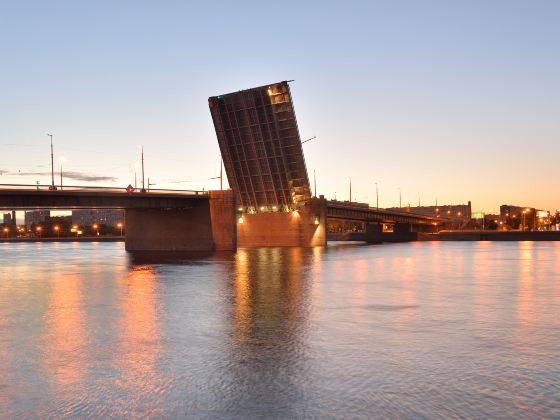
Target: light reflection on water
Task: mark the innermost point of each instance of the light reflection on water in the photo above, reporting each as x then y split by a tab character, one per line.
410	330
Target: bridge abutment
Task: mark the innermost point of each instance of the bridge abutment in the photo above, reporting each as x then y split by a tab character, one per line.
305	227
207	225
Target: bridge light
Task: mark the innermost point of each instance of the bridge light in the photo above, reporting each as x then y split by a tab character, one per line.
240	220
273	207
262	208
240	209
316	220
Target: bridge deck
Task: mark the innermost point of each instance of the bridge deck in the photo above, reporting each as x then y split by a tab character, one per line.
68	199
361	213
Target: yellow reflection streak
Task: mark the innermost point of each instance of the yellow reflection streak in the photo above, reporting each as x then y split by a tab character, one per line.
242	303
525	294
65	339
140	338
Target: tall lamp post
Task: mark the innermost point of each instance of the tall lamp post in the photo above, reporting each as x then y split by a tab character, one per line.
52	187
143	186
120	226
62	160
376	196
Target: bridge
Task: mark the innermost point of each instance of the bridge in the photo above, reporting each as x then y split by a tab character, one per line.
158	220
270	203
263	156
380	225
345	210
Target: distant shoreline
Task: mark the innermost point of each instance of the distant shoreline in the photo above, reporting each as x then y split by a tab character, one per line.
80	239
492	235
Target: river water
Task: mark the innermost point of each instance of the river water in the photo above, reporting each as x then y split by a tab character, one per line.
418	330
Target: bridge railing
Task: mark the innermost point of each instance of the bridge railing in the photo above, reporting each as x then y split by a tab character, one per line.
76	188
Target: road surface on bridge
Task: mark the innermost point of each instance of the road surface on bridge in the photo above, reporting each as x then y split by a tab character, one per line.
25	197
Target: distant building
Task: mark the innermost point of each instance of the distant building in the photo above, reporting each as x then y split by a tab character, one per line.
507	210
108	217
526	217
36	216
458	212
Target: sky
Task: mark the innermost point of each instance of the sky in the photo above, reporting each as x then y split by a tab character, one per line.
453	101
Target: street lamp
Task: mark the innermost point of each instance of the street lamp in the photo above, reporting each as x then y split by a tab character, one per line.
96	228
57	230
39	229
62	160
75	229
120	226
52	187
6	231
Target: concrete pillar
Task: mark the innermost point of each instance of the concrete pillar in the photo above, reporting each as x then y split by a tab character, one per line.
306	227
402	232
427	228
208	225
402	228
223	219
374	233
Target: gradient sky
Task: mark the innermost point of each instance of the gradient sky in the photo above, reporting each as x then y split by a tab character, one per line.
444	99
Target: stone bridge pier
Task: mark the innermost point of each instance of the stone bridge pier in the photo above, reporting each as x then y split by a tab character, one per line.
206	225
402	232
306	227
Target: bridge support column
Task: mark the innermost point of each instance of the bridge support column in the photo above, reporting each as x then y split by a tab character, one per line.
305	228
208	225
427	228
402	232
374	233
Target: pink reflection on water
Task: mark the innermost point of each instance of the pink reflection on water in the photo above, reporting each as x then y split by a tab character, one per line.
65	339
139	341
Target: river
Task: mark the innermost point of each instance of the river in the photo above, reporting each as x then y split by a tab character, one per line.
416	330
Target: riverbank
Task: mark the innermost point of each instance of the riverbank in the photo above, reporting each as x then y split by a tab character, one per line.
74	239
490	236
